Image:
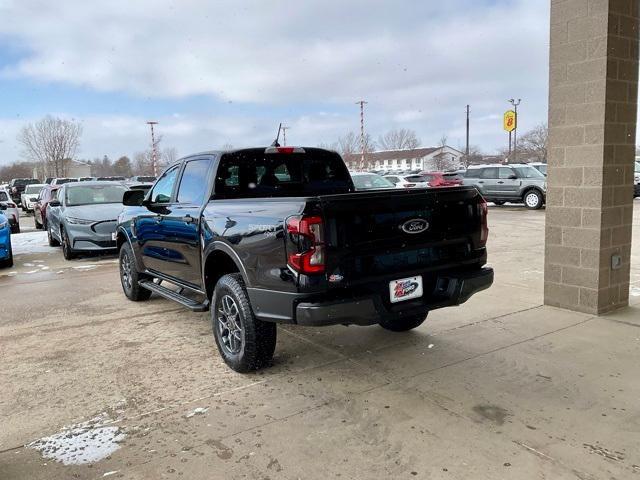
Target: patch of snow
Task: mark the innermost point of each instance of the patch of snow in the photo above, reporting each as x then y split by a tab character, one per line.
85	267
32	271
31	242
635	292
197	411
86	442
113	472
430	345
28	264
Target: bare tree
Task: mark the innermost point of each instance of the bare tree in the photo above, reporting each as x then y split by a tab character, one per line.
142	163
532	146
442	161
399	139
227	146
50	142
169	155
350	143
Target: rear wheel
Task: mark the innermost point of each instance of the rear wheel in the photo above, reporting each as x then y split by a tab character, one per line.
403	323
35	220
245	342
129	276
15	228
533	200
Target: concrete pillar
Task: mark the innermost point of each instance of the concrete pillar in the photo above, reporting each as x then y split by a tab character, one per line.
593	92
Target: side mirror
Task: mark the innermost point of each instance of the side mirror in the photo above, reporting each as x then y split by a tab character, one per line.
54	203
513	177
133	198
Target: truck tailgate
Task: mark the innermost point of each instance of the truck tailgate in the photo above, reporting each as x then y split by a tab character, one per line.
366	239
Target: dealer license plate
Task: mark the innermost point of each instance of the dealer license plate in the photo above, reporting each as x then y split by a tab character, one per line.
405	289
114	236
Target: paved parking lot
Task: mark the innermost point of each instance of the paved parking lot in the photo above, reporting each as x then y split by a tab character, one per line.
501	387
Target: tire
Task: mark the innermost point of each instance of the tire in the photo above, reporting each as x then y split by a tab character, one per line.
7	262
52	240
402	323
533	199
129	276
38	224
251	344
68	252
15	228
498	202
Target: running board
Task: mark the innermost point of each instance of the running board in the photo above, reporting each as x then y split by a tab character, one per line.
175	296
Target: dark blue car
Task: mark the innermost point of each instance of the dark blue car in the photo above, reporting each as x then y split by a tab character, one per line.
6	255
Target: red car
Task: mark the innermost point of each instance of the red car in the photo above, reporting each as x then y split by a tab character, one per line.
439	179
47	194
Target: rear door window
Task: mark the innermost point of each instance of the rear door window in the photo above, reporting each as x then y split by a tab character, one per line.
254	173
194	183
490	172
505	172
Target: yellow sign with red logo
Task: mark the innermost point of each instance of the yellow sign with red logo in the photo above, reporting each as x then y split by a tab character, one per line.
509	121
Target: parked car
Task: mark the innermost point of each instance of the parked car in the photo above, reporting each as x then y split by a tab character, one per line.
6	254
48	193
17	186
62	180
273	235
83	217
84	179
30	196
636	181
517	183
408	181
143	179
541	167
113	178
10	210
48	180
439	179
370	181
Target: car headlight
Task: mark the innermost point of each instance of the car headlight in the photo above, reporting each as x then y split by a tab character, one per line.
3	224
79	221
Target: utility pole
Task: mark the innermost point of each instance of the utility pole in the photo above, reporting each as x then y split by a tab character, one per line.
515	130
284	135
362	158
153	148
466	152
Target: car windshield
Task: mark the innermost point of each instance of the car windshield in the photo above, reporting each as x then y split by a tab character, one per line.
528	172
33	189
367	182
94	194
3	196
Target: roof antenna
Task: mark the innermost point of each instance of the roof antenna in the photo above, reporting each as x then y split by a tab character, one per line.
275	142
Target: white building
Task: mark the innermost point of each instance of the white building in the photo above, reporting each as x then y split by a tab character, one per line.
428	158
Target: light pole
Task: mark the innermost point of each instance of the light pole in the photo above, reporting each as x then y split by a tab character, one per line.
153	148
515	130
361	103
284	135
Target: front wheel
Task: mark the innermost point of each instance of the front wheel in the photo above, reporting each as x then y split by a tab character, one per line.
533	200
67	251
7	262
38	224
52	240
129	276
403	323
245	342
15	228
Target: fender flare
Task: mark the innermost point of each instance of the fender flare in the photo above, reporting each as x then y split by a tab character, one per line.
220	246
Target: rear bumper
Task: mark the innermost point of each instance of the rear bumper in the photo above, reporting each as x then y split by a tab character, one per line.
368	310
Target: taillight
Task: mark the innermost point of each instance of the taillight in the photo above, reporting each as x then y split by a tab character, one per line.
307	234
484	227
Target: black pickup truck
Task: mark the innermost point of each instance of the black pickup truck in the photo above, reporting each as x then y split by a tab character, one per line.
273	235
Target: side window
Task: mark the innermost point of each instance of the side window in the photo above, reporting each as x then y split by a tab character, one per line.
505	172
472	172
194	182
164	187
491	172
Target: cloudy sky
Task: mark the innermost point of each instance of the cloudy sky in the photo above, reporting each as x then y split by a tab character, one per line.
228	71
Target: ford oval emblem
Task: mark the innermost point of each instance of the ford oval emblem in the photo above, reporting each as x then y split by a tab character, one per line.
415	225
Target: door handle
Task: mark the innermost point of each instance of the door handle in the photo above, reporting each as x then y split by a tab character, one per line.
158	218
501	182
480	181
188	219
